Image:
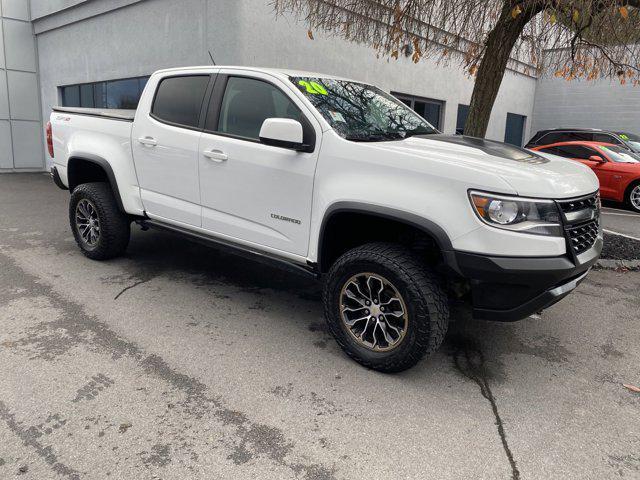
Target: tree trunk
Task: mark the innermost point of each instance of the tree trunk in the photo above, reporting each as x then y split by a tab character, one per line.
499	45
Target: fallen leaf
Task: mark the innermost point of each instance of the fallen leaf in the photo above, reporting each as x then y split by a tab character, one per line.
517	10
576	16
633	388
124	427
624	13
310	35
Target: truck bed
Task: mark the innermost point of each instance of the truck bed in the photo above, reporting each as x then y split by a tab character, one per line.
116	114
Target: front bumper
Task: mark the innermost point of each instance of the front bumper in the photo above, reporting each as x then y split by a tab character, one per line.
512	288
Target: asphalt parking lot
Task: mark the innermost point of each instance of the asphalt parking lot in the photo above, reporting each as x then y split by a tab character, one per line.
179	361
618	220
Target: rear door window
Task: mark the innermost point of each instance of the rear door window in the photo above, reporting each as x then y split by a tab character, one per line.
178	100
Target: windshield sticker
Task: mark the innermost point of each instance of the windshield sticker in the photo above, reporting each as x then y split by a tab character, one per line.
337	117
313	88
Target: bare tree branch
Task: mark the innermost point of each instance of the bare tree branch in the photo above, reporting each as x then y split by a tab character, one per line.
568	38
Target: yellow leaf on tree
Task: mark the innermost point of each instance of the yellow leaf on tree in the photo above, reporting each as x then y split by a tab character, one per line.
576	16
310	35
517	10
553	18
624	13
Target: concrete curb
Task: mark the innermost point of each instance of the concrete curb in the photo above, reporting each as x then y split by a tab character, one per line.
606	264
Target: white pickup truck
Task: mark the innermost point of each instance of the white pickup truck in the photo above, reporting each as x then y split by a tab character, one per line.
337	179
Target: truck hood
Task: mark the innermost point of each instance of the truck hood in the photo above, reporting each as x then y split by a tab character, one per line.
531	174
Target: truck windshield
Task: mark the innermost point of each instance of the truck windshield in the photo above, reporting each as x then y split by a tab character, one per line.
361	112
632	140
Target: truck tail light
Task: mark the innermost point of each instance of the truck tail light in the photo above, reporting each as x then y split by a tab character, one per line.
50	139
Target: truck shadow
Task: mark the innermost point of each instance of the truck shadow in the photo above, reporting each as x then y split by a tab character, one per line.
153	254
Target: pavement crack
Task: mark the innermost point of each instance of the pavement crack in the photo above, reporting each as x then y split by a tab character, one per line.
125	289
244	439
469	361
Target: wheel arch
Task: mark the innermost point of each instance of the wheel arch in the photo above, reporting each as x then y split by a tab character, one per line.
326	254
87	168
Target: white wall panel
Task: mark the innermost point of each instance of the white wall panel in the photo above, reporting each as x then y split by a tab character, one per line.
27	147
19	45
23	95
6	149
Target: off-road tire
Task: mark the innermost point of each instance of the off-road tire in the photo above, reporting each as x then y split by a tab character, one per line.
115	226
627	197
423	294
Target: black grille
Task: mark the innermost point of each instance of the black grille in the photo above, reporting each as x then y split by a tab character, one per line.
582	221
583	236
580	204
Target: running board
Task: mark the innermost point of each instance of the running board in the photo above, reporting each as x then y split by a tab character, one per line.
241	250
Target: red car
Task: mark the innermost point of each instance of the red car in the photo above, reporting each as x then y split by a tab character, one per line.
617	168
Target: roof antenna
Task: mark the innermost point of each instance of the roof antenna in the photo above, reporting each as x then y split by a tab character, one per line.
211	57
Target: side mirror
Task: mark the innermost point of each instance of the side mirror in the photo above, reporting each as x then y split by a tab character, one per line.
283	132
596	158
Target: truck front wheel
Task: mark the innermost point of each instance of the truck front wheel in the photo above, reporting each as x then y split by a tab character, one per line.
384	307
101	230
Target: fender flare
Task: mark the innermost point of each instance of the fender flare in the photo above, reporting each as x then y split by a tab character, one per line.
427	226
102	163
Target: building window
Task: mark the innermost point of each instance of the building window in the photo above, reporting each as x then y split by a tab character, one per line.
514	131
431	110
123	93
461	122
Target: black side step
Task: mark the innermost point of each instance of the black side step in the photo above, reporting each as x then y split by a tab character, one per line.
241	250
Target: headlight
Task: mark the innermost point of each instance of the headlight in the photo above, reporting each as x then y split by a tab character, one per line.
526	215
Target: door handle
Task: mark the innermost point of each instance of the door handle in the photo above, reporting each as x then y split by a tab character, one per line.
148	141
216	155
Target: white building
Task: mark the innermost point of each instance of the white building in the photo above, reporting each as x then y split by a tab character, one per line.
97	53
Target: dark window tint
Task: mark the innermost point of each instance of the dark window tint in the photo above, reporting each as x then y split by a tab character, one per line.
549	138
179	100
71	96
430	110
100	95
248	102
557	137
535	139
573	151
123	94
514	131
461	122
86	95
606	138
110	94
579	136
551	150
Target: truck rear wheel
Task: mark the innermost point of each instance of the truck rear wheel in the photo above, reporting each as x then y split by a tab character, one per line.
101	230
384	307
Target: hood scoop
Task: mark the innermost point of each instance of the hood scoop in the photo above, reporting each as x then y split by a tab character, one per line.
496	149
